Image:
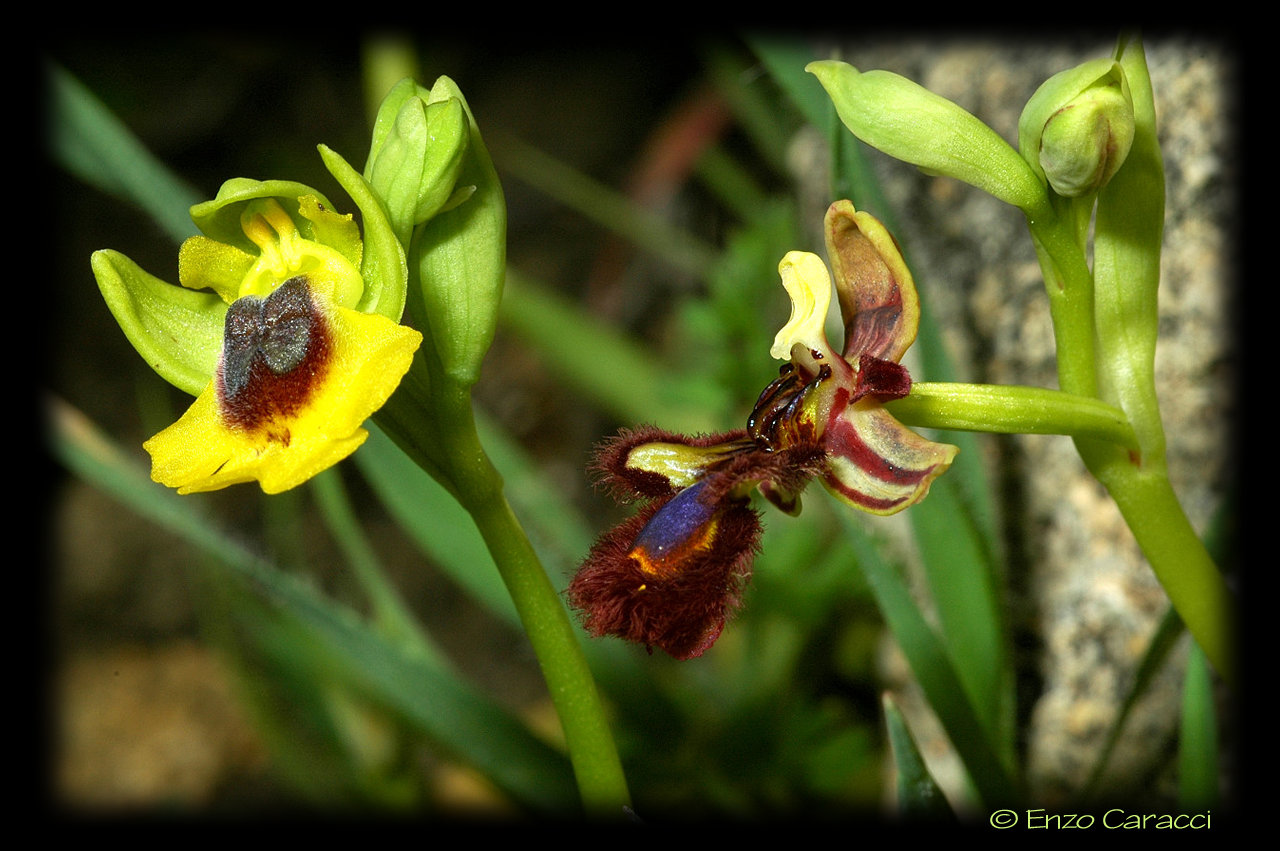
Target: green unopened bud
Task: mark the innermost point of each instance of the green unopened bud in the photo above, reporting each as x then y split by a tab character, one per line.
419	143
911	123
460	256
1078	128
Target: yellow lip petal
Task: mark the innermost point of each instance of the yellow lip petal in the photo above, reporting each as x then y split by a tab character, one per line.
205	450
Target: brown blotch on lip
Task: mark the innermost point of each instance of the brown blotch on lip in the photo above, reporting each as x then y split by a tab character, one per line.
275	353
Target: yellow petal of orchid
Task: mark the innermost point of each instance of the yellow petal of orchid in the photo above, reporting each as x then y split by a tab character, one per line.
208	449
204	263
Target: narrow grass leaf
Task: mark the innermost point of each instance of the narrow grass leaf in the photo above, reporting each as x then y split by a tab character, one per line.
604	366
389	613
603	205
458	719
934	669
435	521
1163	639
1198	742
88	140
918	794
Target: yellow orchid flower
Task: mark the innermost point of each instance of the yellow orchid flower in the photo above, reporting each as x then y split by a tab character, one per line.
268	332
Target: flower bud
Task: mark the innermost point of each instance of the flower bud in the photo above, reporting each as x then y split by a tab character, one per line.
1078	128
460	257
420	139
907	121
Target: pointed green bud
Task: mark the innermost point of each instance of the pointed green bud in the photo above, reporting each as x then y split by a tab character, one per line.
460	257
419	141
1078	127
911	123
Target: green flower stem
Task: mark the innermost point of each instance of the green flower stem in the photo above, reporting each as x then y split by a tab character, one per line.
1177	556
597	767
1105	324
1109	446
1069	285
1007	409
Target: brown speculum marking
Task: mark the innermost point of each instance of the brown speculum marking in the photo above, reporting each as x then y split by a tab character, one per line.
275	353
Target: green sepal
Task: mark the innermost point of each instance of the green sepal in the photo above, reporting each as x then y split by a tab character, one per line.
383	265
1076	130
415	159
910	123
460	257
178	331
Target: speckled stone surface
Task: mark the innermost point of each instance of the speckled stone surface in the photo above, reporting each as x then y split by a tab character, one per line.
1084	599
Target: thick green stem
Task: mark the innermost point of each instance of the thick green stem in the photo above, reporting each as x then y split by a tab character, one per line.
601	782
1109	447
1177	556
1105	323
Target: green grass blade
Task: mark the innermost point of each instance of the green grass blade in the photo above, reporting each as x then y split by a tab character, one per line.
1198	742
1166	634
603	205
623	378
389	613
935	671
91	143
445	533
918	794
458	719
965	592
557	530
435	521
